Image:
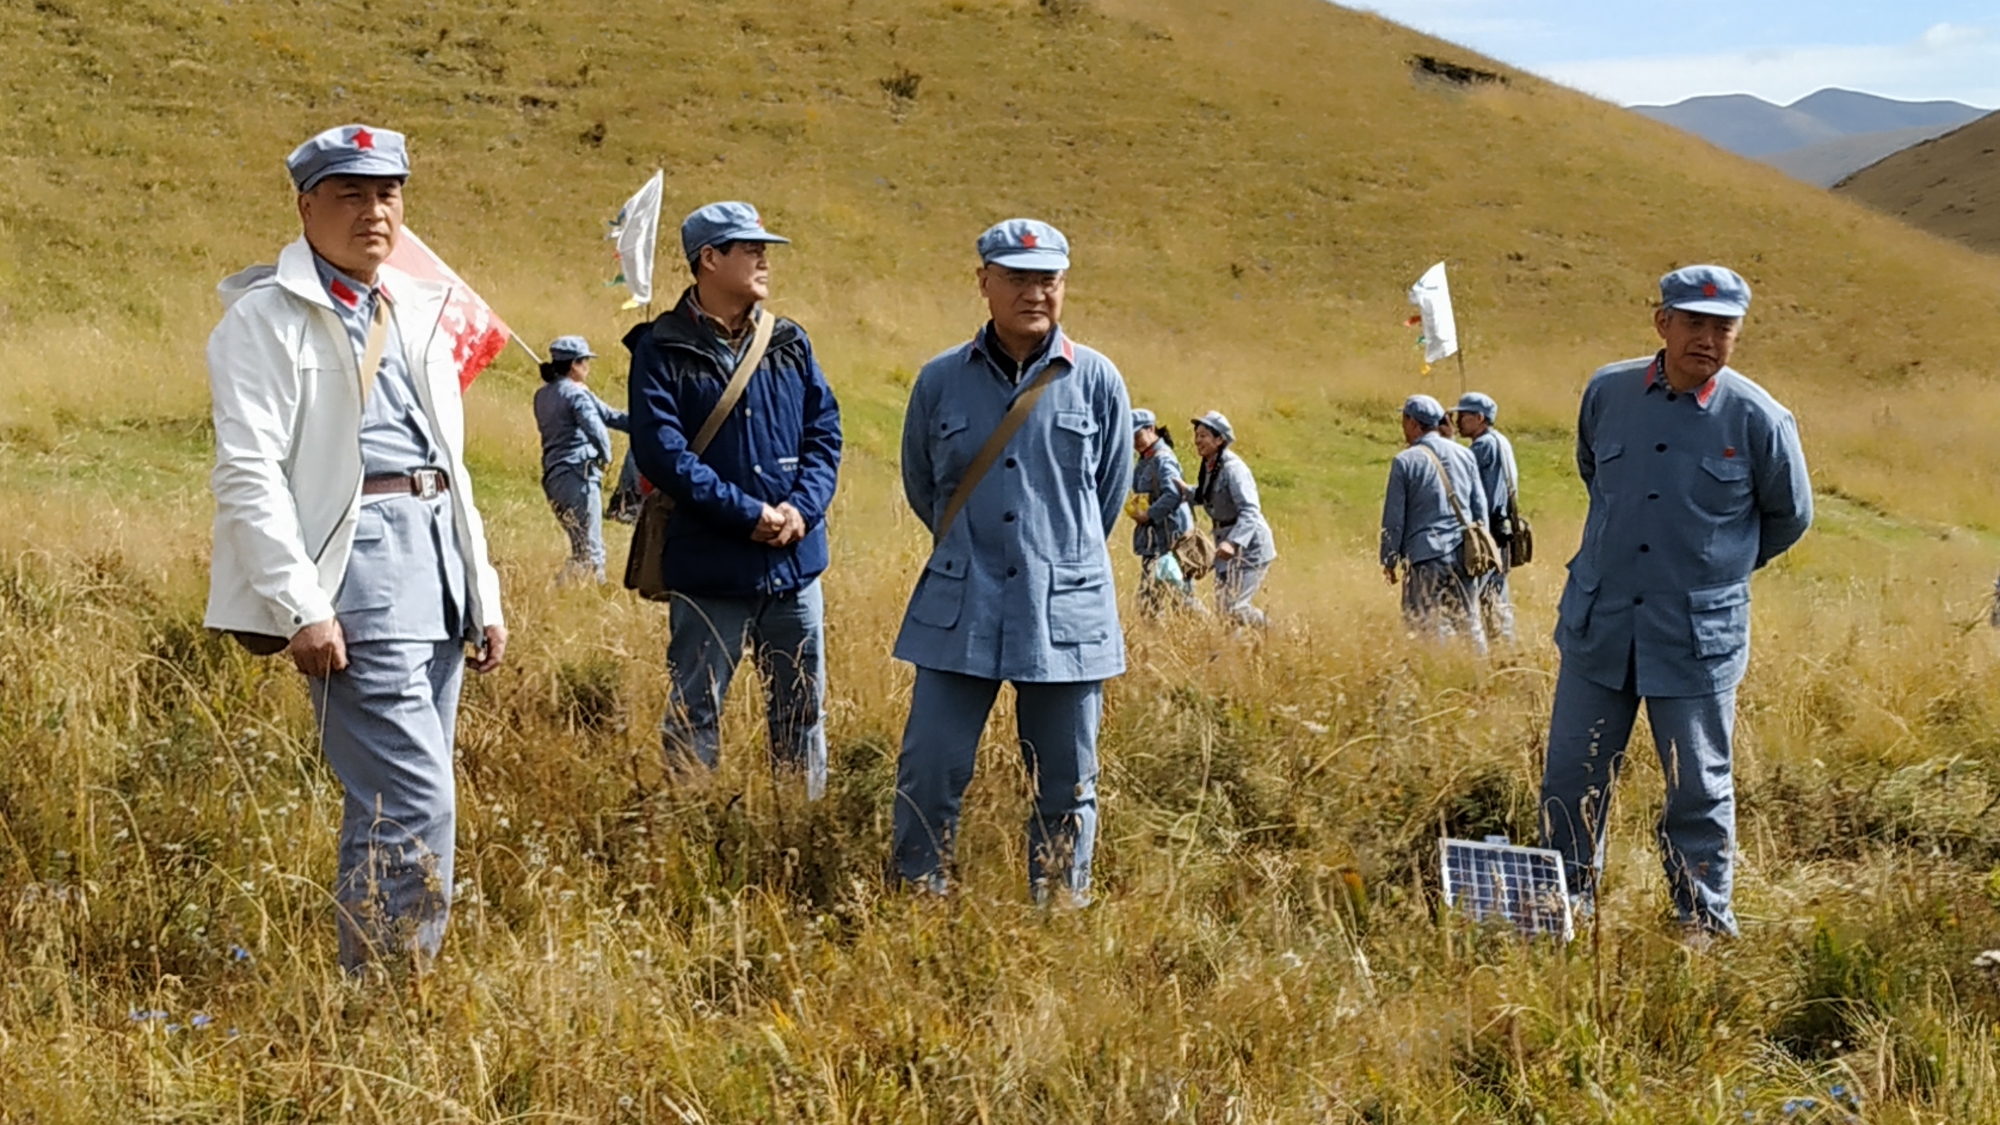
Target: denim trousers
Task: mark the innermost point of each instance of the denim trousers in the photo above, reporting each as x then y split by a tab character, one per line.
786	634
1058	726
386	727
576	495
1588	733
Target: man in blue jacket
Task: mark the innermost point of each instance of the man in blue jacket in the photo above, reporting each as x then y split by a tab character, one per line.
746	542
1018	586
1477	420
1696	479
1422	534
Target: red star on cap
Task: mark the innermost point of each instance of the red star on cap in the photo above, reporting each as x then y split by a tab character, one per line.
364	139
1708	290
1029	241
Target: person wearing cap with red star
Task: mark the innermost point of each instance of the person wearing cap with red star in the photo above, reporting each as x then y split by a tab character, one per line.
345	530
1696	479
1018	585
747	540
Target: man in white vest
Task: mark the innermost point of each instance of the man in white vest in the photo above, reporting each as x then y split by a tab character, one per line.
345	532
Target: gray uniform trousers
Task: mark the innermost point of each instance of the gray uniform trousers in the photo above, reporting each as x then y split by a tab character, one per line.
1496	608
1235	584
1588	733
386	726
787	635
576	494
1438	599
1058	726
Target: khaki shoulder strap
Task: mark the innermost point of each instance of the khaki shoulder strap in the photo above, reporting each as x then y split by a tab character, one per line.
1450	493
1024	404
733	393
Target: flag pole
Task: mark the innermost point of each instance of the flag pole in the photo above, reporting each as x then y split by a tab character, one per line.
524	347
1460	353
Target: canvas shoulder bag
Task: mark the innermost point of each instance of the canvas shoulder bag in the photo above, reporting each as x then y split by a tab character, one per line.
996	442
646	565
1520	533
1481	555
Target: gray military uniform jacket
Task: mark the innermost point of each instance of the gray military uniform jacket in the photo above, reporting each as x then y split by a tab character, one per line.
1230	496
1020	586
1418	523
1156	475
1689	493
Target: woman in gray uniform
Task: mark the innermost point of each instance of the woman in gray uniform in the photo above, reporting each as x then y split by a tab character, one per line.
576	430
1244	549
1160	509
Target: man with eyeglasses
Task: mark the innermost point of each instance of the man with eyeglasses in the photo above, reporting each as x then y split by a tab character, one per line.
746	542
1015	457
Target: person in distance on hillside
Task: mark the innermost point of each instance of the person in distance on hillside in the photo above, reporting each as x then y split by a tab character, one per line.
1423	532
746	542
1015	456
1696	479
1244	545
576	449
1160	515
1477	423
344	521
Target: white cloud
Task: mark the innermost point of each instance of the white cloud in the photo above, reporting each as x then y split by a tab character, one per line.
1949	61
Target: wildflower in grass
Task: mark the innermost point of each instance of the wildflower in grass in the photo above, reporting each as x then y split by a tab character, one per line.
238	953
147	1015
200	1020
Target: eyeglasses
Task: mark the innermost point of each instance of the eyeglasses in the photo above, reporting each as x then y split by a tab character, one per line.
1046	280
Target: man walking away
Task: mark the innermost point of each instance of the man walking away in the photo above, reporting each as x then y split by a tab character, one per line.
746	542
1431	482
1696	479
1478	417
1015	456
345	532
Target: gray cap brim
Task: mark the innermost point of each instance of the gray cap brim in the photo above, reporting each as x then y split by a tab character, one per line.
1712	308
366	164
1047	261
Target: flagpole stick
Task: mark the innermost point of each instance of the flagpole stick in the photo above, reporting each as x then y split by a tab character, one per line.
1461	370
524	347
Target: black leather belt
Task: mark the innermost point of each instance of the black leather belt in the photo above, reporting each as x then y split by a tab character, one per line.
424	484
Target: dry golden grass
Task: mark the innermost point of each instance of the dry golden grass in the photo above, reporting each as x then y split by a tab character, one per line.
1249	190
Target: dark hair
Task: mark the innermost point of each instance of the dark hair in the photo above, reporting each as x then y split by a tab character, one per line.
724	249
1166	435
556	369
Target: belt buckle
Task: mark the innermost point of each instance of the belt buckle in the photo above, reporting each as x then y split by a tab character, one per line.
427	483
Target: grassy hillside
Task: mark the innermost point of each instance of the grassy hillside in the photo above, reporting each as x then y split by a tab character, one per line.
1249	189
1949	186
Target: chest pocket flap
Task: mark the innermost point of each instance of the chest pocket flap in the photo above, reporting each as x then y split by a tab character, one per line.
1726	469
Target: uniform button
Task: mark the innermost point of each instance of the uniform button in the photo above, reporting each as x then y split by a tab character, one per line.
1009	517
1638	601
297	620
1672	397
746	412
1652	496
1010	462
758	469
1644	548
1011	572
1660	448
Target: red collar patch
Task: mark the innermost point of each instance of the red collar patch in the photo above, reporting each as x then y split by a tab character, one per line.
1705	392
343	294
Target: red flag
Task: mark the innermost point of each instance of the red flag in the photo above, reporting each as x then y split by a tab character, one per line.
478	335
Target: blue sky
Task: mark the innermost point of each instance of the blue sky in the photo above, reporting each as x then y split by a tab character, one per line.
1780	50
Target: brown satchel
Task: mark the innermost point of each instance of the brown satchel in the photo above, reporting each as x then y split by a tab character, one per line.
271	644
996	442
1481	555
1520	533
646	565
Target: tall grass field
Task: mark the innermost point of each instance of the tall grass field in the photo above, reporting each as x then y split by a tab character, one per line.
1249	187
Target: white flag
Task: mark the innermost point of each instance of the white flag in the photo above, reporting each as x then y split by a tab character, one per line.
1432	296
636	230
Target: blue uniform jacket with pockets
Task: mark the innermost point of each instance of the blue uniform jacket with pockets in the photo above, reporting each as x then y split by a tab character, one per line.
1157	476
1418	523
1020	587
575	425
1497	471
1689	493
781	443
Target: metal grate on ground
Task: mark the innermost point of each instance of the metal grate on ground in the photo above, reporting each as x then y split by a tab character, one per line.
1494	880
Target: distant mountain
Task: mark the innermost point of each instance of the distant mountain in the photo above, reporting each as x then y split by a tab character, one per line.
1949	186
1745	125
1829	162
1820	138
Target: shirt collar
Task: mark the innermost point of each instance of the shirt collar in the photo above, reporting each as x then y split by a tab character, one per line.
1656	377
987	347
345	291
